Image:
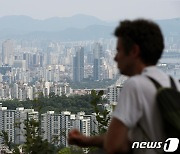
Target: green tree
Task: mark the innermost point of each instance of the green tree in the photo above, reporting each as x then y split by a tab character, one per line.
6	141
102	114
34	143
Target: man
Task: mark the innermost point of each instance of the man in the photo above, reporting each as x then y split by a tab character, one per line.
139	47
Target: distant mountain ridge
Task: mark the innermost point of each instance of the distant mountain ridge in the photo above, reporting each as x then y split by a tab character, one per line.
26	23
77	27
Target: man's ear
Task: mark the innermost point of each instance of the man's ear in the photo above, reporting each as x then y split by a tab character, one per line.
135	51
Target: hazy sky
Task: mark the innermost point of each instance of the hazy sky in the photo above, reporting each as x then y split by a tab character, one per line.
110	10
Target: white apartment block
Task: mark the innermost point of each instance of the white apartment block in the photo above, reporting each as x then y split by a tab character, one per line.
50	126
113	93
7	122
22	115
55	127
12	122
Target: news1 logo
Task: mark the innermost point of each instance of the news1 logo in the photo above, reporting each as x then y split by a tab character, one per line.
170	145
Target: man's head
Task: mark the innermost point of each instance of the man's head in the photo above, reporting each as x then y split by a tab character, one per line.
140	42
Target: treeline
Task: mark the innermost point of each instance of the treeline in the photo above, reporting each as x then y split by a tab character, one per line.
74	103
90	84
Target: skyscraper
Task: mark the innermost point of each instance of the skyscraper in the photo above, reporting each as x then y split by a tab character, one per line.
78	65
98	54
7	52
98	51
96	69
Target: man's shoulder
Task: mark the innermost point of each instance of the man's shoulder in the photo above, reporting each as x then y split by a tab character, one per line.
135	83
136	80
142	81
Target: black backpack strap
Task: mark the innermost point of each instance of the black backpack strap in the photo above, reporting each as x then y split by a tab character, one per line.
173	85
157	84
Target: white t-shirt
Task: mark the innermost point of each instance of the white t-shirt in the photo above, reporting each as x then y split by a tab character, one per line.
137	104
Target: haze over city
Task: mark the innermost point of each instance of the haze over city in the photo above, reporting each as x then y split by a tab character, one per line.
109	10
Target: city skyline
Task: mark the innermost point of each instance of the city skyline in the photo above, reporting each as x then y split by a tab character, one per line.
57	65
113	10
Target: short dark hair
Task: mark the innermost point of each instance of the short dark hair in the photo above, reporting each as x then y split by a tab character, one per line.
146	34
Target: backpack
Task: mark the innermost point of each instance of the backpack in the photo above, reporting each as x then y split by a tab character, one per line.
168	100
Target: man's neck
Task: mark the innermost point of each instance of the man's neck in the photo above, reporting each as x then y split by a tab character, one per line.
138	69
